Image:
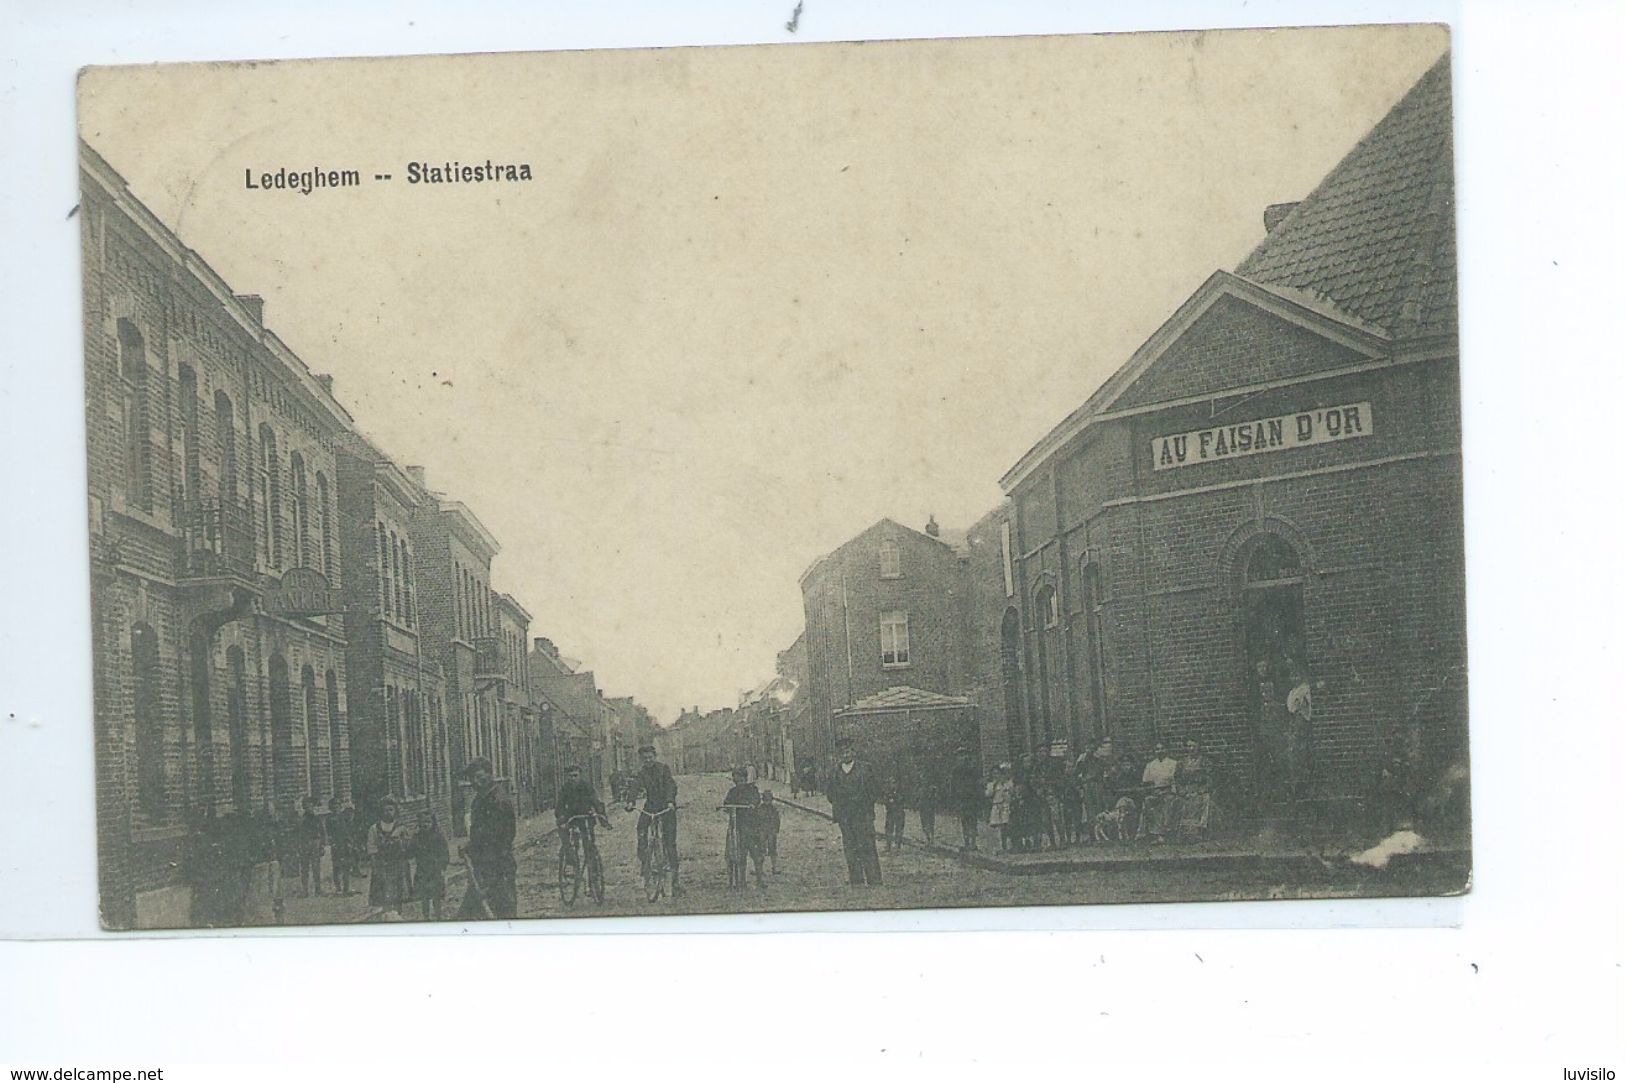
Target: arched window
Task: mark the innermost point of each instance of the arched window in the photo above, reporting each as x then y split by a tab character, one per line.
237	727
1272	560
132	363
333	734
1047	604
891	560
324	510
395	565
270	498
312	726
301	511
282	776
149	720
225	435
387	606
191	460
406	582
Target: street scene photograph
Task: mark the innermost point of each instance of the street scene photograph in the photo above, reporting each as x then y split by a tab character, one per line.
852	476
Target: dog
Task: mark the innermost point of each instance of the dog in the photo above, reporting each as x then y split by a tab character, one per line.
1110	825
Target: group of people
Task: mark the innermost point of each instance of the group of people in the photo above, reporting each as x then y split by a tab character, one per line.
403	862
1103	794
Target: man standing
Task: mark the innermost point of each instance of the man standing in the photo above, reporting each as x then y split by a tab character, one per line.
852	791
659	791
489	849
965	794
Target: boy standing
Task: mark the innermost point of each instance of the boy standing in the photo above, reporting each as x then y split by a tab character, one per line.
746	802
770	828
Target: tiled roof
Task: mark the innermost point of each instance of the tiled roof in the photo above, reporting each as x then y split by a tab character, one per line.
903	698
1376	238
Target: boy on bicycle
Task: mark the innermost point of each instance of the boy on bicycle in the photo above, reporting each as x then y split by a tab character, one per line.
659	790
578	798
746	800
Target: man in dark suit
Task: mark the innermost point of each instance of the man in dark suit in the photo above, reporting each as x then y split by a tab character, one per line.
489	849
853	789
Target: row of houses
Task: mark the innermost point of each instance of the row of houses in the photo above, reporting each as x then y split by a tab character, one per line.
282	611
1250	536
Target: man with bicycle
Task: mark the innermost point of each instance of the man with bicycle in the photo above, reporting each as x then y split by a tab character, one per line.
577	798
659	791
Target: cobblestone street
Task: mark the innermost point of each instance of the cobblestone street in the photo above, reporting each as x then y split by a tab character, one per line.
812	873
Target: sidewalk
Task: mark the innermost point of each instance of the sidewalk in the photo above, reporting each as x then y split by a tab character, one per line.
1247	852
331	909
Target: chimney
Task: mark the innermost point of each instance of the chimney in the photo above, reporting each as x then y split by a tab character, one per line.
932	528
326	380
1274	213
255	305
419	475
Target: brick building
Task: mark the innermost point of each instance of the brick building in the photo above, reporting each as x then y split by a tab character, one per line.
570	714
457	621
887	610
219	644
1267	497
398	734
503	665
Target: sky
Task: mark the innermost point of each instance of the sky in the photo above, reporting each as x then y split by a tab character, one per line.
754	300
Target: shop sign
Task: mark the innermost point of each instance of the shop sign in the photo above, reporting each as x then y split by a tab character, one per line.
1324	425
303	592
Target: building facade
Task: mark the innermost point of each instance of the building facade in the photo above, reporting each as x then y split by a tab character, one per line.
1254	528
454	551
219	639
399	742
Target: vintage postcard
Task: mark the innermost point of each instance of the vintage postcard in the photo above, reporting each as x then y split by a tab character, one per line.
981	472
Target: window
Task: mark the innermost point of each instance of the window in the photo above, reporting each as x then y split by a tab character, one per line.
388	605
1048	604
300	509
324	508
307	683
281	730
225	432
191	466
406	579
270	498
332	682
132	358
891	561
894	638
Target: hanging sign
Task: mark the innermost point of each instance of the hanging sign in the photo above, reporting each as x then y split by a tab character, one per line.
1323	425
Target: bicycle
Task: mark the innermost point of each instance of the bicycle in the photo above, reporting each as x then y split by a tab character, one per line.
734	854
657	856
579	859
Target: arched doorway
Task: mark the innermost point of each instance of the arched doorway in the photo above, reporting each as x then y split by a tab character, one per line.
1277	660
237	726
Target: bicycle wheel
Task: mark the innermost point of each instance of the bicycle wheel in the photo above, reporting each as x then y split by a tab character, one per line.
569	874
734	856
654	870
595	876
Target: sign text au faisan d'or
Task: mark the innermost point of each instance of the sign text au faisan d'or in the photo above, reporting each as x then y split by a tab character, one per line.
1323	425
